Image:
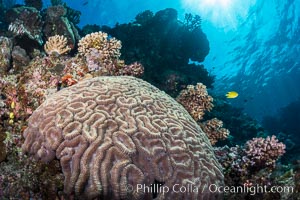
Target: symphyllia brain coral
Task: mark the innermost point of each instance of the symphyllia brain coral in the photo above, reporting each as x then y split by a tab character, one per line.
115	134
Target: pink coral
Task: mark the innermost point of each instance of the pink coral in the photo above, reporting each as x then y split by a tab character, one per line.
264	151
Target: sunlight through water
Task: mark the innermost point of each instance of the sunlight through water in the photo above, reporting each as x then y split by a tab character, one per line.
221	13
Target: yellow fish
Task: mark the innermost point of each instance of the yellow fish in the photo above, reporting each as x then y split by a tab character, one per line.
232	95
12	105
11	115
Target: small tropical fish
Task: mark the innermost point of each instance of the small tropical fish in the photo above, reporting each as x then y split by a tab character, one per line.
232	95
12	105
11	115
85	3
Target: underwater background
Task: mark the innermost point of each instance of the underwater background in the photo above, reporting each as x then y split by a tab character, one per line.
233	66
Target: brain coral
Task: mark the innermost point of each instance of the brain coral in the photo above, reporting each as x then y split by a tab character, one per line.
116	134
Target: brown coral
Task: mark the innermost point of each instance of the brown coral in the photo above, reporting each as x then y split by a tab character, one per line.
195	100
57	45
113	133
214	130
135	69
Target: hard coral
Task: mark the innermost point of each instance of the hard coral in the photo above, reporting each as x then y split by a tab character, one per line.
196	100
135	69
112	133
57	45
108	48
264	151
214	131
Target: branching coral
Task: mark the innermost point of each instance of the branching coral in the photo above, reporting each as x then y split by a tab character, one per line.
196	100
108	48
135	69
57	45
214	130
264	151
111	133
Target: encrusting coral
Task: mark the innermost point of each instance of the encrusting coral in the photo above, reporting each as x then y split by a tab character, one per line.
57	45
195	100
214	130
112	133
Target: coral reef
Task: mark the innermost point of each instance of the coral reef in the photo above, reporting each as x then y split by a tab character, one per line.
214	130
73	15
57	23
196	100
5	56
263	152
108	133
192	22
284	124
113	132
2	145
108	48
20	58
56	45
102	56
38	4
240	169
56	2
20	173
162	44
26	24
135	69
242	127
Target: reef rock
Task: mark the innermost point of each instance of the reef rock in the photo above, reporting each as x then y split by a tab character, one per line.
25	23
2	145
5	55
20	58
57	23
117	136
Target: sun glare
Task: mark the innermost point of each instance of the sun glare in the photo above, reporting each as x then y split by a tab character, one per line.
223	3
222	13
